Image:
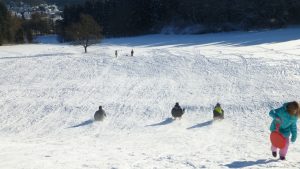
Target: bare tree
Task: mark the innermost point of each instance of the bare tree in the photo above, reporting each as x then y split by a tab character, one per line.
86	32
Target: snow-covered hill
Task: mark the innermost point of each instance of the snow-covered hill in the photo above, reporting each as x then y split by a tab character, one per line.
49	93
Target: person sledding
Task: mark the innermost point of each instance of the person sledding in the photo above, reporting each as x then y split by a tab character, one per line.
218	112
99	114
177	111
283	125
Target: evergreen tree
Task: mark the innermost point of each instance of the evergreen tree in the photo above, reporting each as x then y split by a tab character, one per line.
134	17
4	20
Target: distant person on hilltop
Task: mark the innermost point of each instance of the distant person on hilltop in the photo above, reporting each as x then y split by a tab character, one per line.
132	52
116	53
218	112
177	111
285	122
99	114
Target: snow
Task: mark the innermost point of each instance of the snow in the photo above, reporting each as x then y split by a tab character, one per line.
47	39
49	93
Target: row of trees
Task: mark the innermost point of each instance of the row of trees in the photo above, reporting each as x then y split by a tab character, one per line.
60	3
133	17
10	27
17	30
29	2
85	31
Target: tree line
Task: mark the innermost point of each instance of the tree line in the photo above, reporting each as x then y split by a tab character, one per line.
14	29
135	17
59	3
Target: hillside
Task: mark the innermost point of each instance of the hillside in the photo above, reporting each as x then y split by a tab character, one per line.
49	93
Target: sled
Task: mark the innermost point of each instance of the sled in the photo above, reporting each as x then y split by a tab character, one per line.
277	139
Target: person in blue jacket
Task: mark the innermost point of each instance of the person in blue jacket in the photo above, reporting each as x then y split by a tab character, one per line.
287	116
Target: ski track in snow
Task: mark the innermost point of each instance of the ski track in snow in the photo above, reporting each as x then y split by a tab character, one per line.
49	94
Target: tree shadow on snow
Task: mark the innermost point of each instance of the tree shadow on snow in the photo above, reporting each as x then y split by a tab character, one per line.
87	122
228	38
201	124
242	164
165	122
38	56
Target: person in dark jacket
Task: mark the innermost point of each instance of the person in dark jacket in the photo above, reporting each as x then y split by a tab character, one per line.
218	112
99	114
132	52
177	111
116	53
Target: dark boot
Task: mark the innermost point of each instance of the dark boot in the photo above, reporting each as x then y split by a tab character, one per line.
274	154
282	158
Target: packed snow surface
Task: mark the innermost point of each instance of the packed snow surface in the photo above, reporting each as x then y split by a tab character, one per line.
49	93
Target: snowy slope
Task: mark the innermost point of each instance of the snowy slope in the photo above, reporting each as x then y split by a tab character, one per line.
49	93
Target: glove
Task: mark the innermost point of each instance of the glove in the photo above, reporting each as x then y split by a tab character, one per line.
293	139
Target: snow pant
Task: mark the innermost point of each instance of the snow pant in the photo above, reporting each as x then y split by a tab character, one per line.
283	151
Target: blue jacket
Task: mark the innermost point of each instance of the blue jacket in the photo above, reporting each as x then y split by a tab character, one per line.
288	124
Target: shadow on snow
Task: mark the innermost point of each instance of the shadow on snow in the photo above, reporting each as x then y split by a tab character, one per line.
87	122
227	38
242	164
201	124
38	56
165	122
